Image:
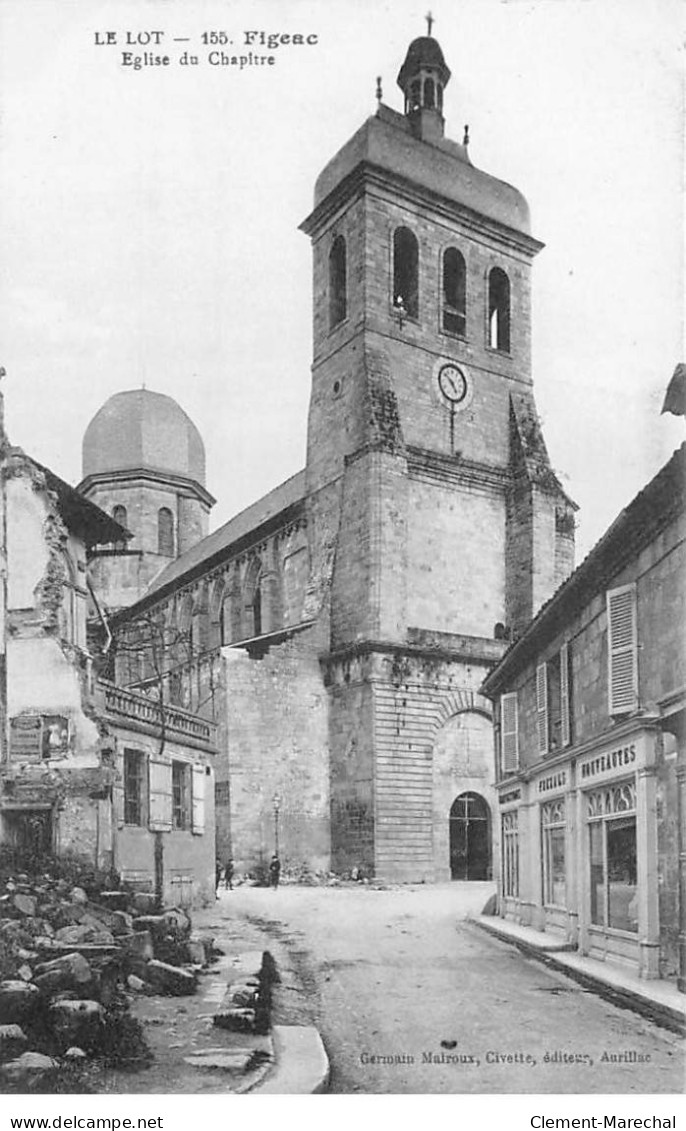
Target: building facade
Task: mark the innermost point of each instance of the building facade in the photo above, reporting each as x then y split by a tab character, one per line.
87	770
340	628
591	759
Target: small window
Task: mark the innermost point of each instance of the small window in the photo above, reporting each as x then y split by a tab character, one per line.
554	702
181	795
406	272
454	292
257	610
135	788
119	515
499	310
165	532
337	282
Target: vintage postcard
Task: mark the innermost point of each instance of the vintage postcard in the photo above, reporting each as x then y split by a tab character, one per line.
342	543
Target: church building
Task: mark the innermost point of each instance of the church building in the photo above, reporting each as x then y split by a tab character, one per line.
339	629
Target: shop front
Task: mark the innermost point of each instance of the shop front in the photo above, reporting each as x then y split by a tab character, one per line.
579	850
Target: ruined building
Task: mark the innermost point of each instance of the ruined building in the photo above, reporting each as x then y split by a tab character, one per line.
339	629
88	770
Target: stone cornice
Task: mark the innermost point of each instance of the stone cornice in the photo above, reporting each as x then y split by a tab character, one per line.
367	176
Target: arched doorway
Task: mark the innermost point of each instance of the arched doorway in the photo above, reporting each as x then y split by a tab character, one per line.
470	838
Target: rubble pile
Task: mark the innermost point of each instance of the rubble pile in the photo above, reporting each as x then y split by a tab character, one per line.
70	967
246	1005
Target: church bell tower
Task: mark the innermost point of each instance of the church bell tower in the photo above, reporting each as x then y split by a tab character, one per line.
426	463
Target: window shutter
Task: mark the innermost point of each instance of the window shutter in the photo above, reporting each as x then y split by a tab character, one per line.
198	799
509	740
565	705
118	802
160	797
621	647
542	708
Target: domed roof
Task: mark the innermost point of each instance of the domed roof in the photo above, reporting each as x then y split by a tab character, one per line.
423	52
142	429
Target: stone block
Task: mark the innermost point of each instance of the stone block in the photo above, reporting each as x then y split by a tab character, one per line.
235	1018
138	945
222	1060
18	1001
28	1069
114	900
69	971
84	933
77	1022
244	996
171	979
144	902
245	966
78	895
25	905
12	1039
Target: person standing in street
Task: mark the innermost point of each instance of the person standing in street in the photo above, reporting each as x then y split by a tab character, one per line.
274	871
228	874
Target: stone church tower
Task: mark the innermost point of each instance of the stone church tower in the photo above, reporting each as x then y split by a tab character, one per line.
144	464
427	471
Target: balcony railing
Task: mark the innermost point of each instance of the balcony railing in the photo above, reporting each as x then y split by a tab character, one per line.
119	701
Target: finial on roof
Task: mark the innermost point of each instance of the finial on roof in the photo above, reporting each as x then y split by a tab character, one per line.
379	91
429	22
465	139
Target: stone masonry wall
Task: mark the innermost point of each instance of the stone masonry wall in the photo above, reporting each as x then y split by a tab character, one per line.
277	728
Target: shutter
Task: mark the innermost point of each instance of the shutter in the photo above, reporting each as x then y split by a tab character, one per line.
542	708
160	796
198	799
621	647
565	705
509	744
118	800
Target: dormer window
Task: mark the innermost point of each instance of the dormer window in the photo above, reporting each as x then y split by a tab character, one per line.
406	272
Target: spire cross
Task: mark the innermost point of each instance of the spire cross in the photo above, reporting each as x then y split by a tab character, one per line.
379	90
429	21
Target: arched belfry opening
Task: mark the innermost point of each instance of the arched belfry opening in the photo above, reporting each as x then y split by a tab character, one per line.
470	838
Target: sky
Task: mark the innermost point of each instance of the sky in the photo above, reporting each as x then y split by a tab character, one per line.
149	218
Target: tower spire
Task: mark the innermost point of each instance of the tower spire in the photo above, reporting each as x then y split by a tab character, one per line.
422	79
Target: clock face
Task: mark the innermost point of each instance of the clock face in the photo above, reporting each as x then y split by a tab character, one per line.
452	383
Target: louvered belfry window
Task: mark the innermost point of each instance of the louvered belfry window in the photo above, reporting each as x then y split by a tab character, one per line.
622	650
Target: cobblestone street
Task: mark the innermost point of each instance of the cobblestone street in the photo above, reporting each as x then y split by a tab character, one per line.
410	997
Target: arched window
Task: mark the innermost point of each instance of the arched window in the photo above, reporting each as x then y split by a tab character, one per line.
257	609
165	532
119	515
498	310
454	292
429	94
337	282
406	272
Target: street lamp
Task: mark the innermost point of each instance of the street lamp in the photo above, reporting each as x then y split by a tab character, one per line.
276	802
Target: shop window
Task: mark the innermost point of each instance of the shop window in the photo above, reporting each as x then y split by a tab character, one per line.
181	795
510	853
337	282
454	292
499	310
612	857
135	788
165	532
406	272
553	702
509	733
622	650
553	833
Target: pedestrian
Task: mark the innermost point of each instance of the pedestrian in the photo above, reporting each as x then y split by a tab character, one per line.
228	874
218	874
274	871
